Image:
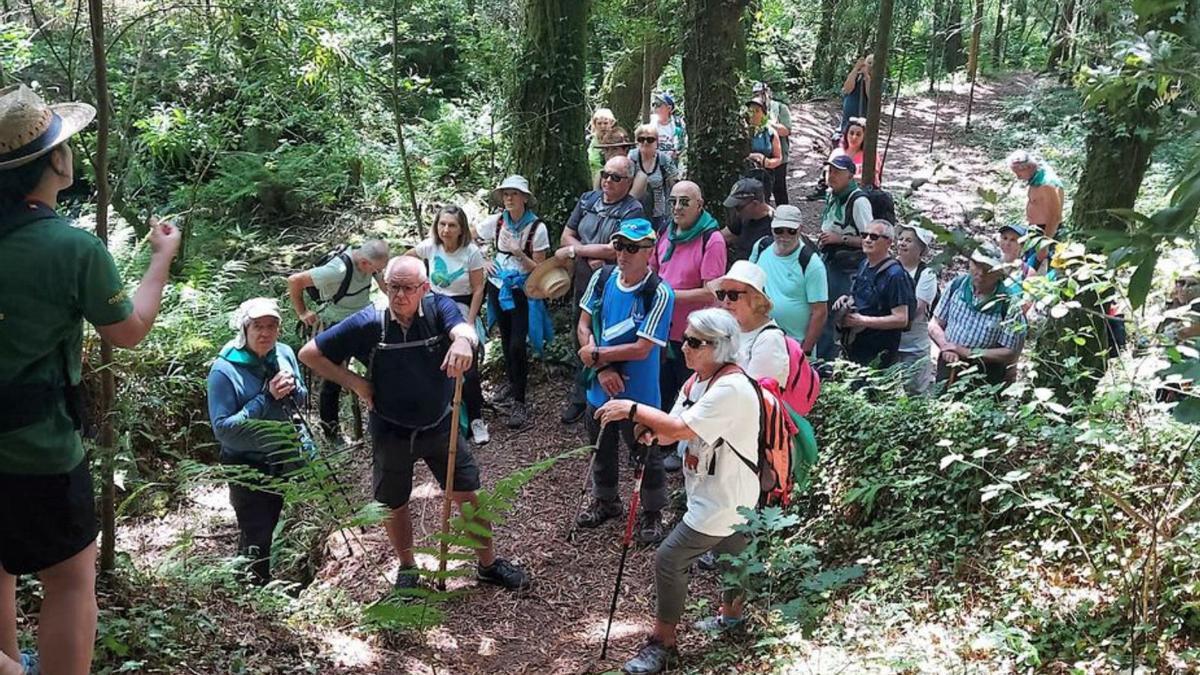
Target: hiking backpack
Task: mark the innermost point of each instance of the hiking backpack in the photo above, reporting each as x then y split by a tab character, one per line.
773	464
343	290
528	240
803	384
884	266
882	205
937	295
806	250
646	293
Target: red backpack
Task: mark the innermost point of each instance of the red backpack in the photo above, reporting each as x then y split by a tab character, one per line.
803	383
775	431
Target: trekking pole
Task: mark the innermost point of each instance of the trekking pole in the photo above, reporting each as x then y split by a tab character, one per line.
446	499
626	540
294	410
587	480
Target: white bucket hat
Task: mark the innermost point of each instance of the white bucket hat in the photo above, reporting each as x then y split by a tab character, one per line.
923	235
513	182
747	273
29	128
254	308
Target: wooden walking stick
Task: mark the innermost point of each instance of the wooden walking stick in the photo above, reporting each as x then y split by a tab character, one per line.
446	499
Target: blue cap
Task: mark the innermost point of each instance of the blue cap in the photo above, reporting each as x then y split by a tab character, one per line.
635	229
1021	230
664	98
845	163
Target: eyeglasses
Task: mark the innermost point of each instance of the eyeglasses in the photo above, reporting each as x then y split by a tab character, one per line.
646	140
405	289
695	342
871	236
627	246
614	177
785	230
681	202
732	296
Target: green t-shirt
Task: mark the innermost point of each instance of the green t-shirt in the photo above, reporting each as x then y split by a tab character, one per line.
790	290
328	279
783	115
55	276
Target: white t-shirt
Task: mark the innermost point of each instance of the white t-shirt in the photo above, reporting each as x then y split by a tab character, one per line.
504	261
450	273
916	338
724	418
763	353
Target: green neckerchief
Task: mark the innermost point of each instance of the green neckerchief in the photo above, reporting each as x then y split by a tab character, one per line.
995	303
836	202
1045	176
247	359
706	223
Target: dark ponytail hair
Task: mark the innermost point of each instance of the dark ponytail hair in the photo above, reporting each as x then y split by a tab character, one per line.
16	184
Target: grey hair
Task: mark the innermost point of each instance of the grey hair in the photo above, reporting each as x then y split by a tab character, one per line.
719	327
629	169
1022	157
889	230
374	250
417	267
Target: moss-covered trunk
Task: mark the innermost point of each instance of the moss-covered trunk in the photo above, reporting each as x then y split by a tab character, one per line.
713	53
825	56
627	87
549	108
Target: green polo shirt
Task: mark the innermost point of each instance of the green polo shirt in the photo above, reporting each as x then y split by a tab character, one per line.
55	276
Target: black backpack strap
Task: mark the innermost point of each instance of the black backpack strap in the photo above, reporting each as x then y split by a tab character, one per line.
857	194
806	254
704	243
344	287
760	246
649	290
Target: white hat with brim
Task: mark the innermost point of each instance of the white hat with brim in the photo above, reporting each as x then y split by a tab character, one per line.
747	273
923	235
29	128
513	182
988	257
548	281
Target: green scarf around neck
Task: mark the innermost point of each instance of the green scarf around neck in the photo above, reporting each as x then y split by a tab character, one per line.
836	202
706	223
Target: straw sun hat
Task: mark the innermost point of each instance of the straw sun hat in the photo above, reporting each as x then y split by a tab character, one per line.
549	280
29	128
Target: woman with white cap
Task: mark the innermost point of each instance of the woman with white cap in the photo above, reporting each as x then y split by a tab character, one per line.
763	348
519	240
254	378
912	244
56	276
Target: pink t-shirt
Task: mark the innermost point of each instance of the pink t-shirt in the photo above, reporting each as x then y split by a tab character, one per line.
686	270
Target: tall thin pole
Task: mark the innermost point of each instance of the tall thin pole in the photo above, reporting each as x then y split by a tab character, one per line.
108	490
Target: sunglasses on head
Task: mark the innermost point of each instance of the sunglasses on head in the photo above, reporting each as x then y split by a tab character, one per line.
647	139
627	246
683	202
614	177
785	230
871	236
732	296
695	342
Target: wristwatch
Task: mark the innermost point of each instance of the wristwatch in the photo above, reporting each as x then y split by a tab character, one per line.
571	252
633	412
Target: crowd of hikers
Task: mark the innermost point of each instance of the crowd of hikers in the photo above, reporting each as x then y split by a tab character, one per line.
700	347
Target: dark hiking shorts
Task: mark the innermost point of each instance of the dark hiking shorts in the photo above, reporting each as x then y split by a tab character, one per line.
395	452
45	520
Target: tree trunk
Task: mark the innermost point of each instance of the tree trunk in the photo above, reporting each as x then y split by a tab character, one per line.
824	59
398	117
952	56
883	37
935	59
998	37
1062	42
976	36
549	107
713	52
1112	176
625	88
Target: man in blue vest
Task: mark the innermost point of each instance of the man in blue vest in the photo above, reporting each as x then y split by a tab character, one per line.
412	350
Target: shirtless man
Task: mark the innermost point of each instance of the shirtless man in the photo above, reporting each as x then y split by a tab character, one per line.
1044	208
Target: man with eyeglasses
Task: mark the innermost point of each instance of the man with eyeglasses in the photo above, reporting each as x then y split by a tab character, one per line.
843	220
751	218
882	300
412	351
624	319
796	282
690	254
585	240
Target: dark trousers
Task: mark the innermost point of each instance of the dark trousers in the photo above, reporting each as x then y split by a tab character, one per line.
779	184
514	332
257	515
671	376
473	389
606	471
327	407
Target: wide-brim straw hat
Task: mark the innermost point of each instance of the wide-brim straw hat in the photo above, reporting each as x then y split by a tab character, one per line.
29	128
615	138
548	281
513	182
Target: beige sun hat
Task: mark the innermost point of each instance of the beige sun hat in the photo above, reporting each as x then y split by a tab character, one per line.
513	182
548	281
29	128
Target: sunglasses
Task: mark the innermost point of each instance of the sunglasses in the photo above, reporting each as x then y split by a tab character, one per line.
627	247
871	236
614	177
682	202
645	140
732	296
695	342
785	230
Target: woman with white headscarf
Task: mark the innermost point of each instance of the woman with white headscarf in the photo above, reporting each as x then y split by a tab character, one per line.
253	379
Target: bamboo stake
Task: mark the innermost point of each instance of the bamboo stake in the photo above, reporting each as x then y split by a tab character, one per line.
449	491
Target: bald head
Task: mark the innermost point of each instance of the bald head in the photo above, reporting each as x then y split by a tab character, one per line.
405	269
618	185
686	204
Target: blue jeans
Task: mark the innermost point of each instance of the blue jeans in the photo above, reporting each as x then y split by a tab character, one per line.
840	282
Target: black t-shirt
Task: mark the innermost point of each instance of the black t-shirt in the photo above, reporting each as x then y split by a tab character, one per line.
747	233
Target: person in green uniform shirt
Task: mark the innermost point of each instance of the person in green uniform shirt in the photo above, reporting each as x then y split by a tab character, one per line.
55	276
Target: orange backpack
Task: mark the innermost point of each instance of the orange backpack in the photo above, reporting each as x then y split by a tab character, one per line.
773	466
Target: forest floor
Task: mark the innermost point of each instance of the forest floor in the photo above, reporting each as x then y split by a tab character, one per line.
558	627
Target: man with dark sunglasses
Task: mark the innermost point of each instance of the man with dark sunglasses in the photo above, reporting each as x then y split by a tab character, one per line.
881	303
796	282
751	218
585	240
625	315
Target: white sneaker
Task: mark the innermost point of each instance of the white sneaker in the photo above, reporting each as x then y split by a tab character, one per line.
479	432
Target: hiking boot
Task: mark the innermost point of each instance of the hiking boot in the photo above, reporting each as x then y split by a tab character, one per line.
654	657
649	529
503	394
407	579
518	416
719	624
599	511
707	562
573	412
479	432
505	574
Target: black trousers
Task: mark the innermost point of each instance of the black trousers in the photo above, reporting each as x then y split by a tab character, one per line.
779	184
473	389
671	376
257	515
607	469
514	333
327	407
